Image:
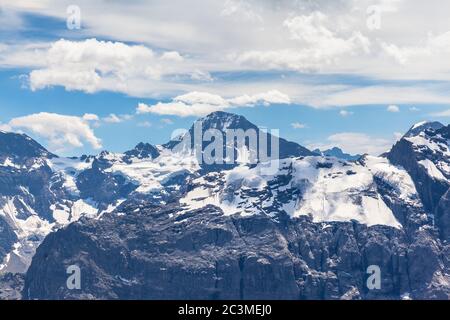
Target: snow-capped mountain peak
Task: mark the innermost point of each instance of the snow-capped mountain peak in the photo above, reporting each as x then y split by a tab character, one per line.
143	150
222	120
422	126
21	147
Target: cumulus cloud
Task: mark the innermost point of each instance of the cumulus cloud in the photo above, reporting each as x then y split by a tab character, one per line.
93	65
172	56
202	103
393	108
356	143
62	132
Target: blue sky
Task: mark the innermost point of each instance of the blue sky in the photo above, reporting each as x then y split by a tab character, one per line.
318	74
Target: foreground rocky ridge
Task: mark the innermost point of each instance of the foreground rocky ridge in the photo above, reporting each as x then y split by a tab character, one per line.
155	253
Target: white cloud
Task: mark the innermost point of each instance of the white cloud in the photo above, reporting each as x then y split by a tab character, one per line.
377	94
356	143
298	125
90	117
323	36
93	65
201	98
313	46
345	113
445	113
62	132
203	103
414	109
178	109
435	47
393	108
199	75
172	56
266	98
241	10
113	118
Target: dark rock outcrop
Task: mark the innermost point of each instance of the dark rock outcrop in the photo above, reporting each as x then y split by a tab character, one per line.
155	253
433	192
11	286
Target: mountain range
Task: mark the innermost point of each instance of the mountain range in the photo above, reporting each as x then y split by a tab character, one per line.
154	223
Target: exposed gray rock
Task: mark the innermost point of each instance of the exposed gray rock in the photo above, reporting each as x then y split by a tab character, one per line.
11	286
154	253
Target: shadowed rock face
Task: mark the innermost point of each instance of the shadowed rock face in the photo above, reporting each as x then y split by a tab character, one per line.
7	238
434	192
25	180
101	186
20	147
153	253
11	286
142	151
223	121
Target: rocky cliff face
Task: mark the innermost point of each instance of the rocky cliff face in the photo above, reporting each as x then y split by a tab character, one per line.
26	183
40	192
426	158
11	286
156	253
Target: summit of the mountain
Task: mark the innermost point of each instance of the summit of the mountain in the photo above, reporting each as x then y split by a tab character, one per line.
20	147
143	151
419	127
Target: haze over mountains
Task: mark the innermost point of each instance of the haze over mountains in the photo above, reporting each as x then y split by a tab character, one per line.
154	223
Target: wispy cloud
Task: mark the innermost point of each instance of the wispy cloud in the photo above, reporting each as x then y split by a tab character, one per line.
356	143
345	113
202	103
298	125
445	113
